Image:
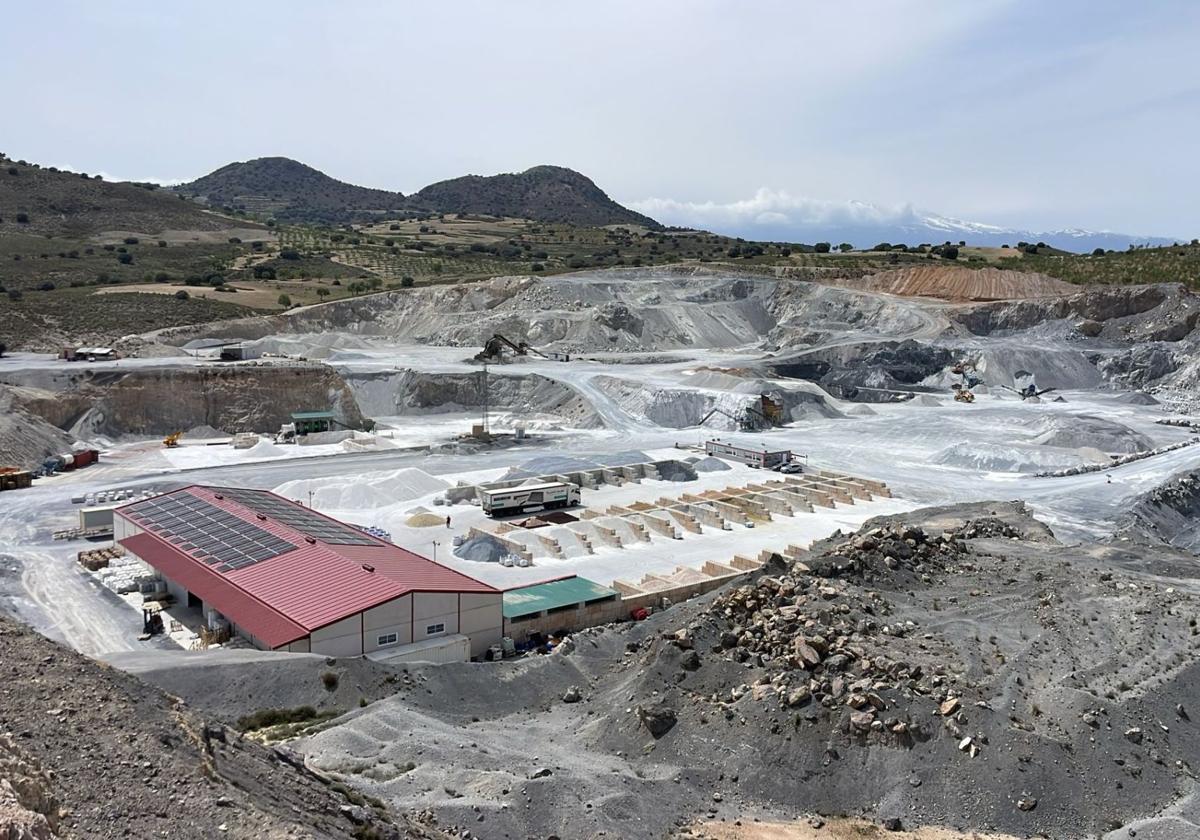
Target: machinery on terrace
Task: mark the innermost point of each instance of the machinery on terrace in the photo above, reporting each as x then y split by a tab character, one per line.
1025	387
494	347
964	377
172	440
766	413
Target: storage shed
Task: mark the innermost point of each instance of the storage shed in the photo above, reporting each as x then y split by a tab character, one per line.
288	578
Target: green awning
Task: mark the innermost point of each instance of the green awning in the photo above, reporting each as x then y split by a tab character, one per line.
567	592
312	415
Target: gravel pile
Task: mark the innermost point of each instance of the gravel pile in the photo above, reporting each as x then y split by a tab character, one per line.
482	549
710	464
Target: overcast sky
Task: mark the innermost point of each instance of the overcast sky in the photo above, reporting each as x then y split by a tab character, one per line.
1039	115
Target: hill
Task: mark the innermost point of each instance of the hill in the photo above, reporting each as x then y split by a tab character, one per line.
294	192
1168	264
290	191
45	201
543	193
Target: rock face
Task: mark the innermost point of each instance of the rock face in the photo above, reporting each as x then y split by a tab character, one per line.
411	392
26	439
28	808
161	401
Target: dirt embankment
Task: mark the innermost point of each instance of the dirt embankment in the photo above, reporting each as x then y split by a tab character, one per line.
163	400
26	438
1167	515
958	283
95	753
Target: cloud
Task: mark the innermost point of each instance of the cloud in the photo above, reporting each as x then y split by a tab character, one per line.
770	208
108	176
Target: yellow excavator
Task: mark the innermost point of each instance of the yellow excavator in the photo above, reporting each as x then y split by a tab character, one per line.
172	440
967	378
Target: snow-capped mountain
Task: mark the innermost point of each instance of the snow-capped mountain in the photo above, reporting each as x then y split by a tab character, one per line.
779	217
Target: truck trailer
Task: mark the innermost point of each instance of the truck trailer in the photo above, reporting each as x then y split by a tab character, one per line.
528	498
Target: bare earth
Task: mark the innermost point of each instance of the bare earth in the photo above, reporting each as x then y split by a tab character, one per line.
957	283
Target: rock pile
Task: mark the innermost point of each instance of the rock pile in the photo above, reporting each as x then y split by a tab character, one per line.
822	643
888	550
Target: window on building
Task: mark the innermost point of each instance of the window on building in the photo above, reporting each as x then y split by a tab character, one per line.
434	629
386	639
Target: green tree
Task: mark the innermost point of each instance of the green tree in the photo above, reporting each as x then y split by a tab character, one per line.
822	247
949	252
845	247
322	292
182	294
406	282
285	301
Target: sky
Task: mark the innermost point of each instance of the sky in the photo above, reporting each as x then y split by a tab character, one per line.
1072	113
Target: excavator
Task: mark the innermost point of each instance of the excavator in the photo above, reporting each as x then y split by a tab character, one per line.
968	378
172	440
493	350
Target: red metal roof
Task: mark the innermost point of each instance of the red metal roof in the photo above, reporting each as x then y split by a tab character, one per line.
298	591
247	612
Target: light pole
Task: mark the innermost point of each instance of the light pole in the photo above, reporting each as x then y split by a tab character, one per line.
435	545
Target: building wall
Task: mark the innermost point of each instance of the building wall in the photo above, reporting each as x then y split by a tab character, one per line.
431	608
393	617
342	638
298	646
123	528
481	617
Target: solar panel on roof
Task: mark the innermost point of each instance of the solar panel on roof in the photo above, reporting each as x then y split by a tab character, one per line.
206	531
296	516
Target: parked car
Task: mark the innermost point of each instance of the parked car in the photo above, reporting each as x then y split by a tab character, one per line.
791	468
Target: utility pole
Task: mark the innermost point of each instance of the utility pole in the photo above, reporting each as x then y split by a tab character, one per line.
484	399
310	495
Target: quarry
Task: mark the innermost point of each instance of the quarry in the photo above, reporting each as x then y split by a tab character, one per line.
913	548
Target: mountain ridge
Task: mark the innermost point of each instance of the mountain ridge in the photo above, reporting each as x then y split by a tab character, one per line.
780	217
293	191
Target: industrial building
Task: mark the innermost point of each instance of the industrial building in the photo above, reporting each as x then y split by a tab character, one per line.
288	578
313	422
568	603
755	457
